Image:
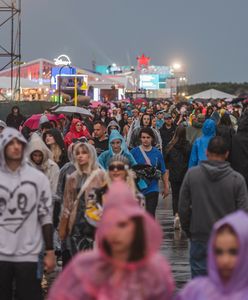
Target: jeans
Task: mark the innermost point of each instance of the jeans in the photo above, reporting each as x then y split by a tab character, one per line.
24	274
198	258
151	202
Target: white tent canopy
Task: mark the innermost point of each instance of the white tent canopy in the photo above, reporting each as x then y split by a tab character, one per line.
212	94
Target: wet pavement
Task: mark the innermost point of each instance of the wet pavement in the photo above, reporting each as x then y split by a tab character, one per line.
175	244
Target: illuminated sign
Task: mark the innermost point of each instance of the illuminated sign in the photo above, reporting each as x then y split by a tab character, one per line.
57	70
67	82
62	60
149	82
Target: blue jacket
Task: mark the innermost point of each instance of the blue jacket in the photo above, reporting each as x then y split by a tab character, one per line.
104	158
200	145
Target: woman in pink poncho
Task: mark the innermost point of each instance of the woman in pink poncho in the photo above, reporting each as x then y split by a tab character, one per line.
126	264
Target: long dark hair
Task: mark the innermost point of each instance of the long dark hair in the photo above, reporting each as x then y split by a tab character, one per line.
178	138
138	247
225	120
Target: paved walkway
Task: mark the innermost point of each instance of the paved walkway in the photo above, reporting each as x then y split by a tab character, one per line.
175	243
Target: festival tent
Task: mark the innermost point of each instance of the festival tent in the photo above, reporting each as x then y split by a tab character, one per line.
212	94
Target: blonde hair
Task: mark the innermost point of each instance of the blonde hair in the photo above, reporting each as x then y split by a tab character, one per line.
56	152
92	163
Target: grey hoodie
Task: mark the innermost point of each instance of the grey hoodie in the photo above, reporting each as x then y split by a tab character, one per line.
3	124
48	166
113	123
25	206
209	192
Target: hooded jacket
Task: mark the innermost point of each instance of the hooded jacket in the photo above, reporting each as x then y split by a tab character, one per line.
75	184
195	131
73	134
200	145
97	276
239	154
48	166
209	192
14	121
212	287
113	123
133	139
3	124
59	141
104	158
25	206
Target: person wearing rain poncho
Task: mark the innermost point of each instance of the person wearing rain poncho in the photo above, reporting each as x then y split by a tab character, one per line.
117	145
73	227
227	263
126	263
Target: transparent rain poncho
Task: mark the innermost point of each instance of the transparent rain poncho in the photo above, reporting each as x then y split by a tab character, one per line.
97	276
212	287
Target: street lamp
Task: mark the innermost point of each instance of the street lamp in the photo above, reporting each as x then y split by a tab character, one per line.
176	66
60	70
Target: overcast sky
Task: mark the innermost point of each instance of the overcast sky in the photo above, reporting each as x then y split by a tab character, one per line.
209	37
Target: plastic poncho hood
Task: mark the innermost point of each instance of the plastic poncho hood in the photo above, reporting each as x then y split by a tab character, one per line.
36	144
95	275
239	280
209	128
115	135
7	135
122	206
212	287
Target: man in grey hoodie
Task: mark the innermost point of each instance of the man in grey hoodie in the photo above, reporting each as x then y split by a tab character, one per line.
25	218
209	191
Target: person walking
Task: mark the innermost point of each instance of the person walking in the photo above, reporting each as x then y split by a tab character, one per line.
117	145
176	158
167	130
227	263
199	148
100	140
126	263
73	227
209	192
54	141
239	154
25	220
77	132
148	155
15	118
133	134
194	131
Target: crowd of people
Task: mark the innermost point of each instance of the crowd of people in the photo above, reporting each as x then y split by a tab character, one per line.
85	191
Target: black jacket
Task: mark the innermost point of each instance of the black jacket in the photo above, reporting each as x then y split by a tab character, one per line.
239	154
208	193
176	160
166	135
14	120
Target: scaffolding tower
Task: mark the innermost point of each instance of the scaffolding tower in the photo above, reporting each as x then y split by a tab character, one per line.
10	43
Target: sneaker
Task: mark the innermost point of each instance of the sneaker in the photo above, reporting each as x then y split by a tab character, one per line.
177	225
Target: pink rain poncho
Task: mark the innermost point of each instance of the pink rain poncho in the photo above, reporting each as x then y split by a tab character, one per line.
97	276
212	287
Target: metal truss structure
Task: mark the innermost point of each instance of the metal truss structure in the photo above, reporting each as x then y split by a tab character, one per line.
10	42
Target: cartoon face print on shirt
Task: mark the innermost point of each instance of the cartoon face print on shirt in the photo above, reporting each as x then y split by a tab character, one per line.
17	205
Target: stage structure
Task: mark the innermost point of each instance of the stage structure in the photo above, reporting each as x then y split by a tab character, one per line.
10	42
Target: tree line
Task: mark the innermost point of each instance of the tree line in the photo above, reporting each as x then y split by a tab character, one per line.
227	87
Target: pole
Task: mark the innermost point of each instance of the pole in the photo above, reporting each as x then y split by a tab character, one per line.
75	92
60	70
